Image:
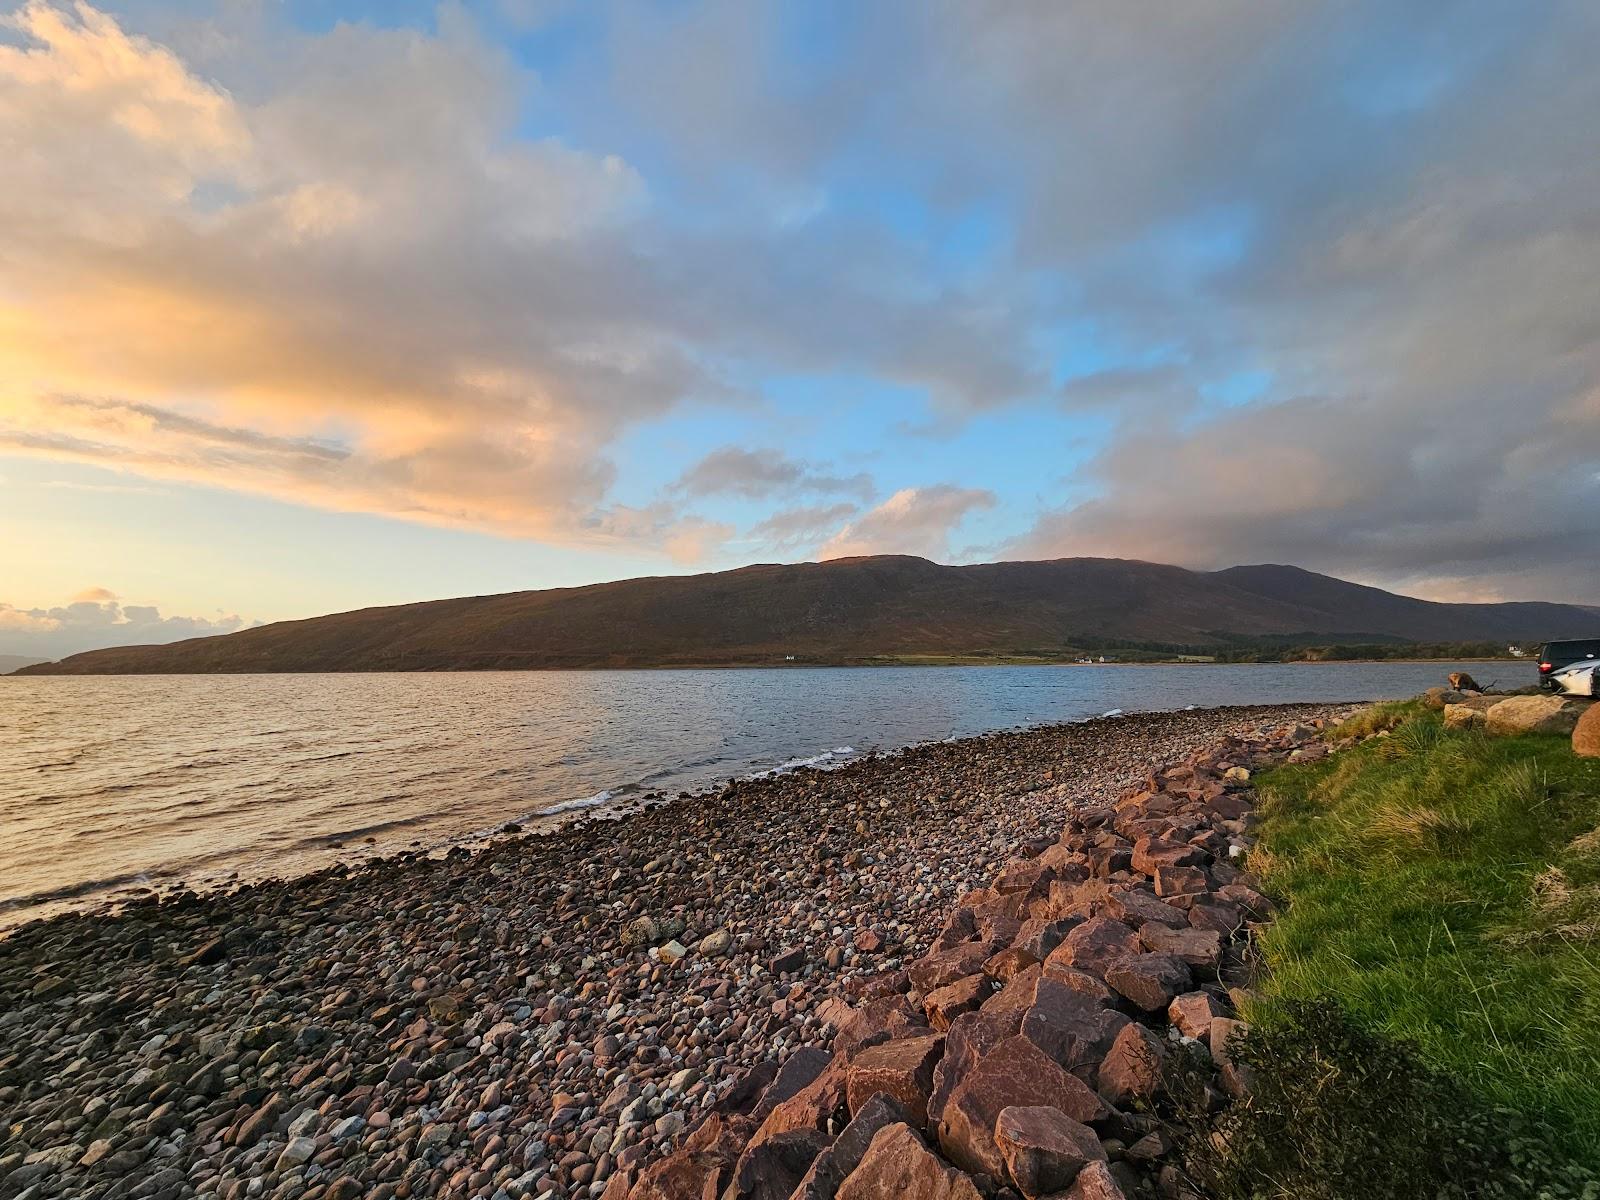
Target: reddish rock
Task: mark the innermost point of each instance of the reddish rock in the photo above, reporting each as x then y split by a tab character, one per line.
682	1176
969	1039
794	1074
1180	881
878	1021
1223	919
830	1168
945	1004
1096	944
1107	860
723	1134
1044	1149
1073	1027
902	1070
899	1164
1095	1182
868	941
1251	902
1137	907
1018	990
1067	863
1025	875
1149	980
1009	962
998	929
1201	949
1152	852
772	1169
933	971
1040	935
820	1105
1015	1073
960	926
1081	982
1192	1013
1132	1069
788	961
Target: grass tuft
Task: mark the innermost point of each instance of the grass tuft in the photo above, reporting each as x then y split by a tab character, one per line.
1375	718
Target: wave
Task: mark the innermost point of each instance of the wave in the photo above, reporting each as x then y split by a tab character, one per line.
74	891
593	801
822	759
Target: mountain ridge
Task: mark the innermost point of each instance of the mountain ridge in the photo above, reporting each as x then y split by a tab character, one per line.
843	611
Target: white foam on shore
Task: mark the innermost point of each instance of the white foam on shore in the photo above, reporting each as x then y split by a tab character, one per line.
593	801
1112	712
822	759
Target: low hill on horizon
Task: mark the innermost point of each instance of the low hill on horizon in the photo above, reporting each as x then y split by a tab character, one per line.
844	611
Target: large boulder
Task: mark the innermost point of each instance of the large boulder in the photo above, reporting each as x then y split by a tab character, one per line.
1469	712
833	1165
1096	944
1015	1073
1201	949
772	1169
900	1069
1132	1070
1149	980
934	971
1073	1027
1044	1149
797	1071
1586	733
898	1164
688	1176
1534	714
943	1005
819	1105
1095	1182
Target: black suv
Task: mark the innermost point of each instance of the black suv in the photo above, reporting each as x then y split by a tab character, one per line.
1555	655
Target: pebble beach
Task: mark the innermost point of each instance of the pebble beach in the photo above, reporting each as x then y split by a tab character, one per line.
524	1019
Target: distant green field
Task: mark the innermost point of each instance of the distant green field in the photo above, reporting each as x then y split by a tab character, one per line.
1444	888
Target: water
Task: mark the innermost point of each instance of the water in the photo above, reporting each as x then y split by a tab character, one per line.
109	784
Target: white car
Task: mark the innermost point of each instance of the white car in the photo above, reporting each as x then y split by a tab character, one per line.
1578	679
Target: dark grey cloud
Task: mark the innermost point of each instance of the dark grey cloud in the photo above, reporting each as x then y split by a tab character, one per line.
759	474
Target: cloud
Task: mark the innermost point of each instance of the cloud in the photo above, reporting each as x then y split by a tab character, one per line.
760	474
792	528
95	619
1320	278
345	280
912	521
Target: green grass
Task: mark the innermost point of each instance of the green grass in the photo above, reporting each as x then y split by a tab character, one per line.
1444	888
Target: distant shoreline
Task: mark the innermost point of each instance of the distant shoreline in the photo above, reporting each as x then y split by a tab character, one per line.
919	662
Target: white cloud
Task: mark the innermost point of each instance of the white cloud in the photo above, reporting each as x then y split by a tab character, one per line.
343	279
94	619
912	521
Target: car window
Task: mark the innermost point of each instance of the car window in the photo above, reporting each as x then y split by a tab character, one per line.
1571	651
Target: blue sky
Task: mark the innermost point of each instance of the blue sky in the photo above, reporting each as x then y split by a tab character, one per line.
309	306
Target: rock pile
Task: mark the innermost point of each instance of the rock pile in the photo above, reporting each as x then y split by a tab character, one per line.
1509	716
1024	1053
550	1014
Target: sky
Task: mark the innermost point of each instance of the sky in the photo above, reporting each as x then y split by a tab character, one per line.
309	305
